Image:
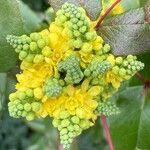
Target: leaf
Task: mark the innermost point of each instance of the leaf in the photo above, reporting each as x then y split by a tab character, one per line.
3	77
31	21
128	4
127	33
143	2
92	139
147	12
15	19
130	129
93	7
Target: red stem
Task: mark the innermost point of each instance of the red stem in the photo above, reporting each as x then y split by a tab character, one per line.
107	132
106	14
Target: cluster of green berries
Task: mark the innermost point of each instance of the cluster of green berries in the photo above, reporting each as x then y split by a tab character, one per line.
31	49
76	22
127	67
71	66
70	127
97	68
23	104
107	108
104	50
52	87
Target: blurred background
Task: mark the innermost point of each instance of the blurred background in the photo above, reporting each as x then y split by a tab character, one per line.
17	134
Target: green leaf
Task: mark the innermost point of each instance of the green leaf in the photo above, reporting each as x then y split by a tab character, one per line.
127	33
130	129
143	2
92	139
130	4
93	7
147	12
16	19
31	21
3	77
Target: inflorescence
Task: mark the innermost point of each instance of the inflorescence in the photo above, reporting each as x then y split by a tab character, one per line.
68	73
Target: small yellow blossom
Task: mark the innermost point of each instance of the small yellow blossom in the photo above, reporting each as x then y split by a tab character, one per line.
113	79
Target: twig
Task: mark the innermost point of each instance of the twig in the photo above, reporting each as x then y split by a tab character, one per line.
140	77
106	14
107	132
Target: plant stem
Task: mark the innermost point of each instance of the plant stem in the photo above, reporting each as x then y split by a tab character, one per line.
60	147
107	132
140	77
106	14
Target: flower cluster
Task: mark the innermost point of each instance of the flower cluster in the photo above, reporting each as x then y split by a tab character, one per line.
68	73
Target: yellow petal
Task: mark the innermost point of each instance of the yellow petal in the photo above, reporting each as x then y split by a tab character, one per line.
94	91
85	85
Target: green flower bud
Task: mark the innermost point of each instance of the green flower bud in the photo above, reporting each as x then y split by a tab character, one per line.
64	131
75	119
41	43
30	116
56	123
22	55
78	43
70	128
46	51
83	29
35	36
115	70
122	72
29	92
27	107
21	95
106	48
29	58
87	72
25	47
64	114
65	123
35	106
38	59
33	46
119	60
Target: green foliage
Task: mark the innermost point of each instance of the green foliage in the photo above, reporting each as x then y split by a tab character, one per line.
14	19
93	8
130	128
129	31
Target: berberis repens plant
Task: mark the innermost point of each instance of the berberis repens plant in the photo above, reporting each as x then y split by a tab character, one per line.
68	72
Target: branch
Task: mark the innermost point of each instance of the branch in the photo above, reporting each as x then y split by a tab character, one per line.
107	132
106	14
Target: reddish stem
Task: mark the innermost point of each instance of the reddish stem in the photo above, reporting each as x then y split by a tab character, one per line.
140	77
106	14
107	132
60	147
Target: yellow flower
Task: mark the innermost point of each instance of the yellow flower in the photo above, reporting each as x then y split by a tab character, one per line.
113	79
77	101
34	76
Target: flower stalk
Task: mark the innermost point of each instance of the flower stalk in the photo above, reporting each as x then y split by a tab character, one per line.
107	132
